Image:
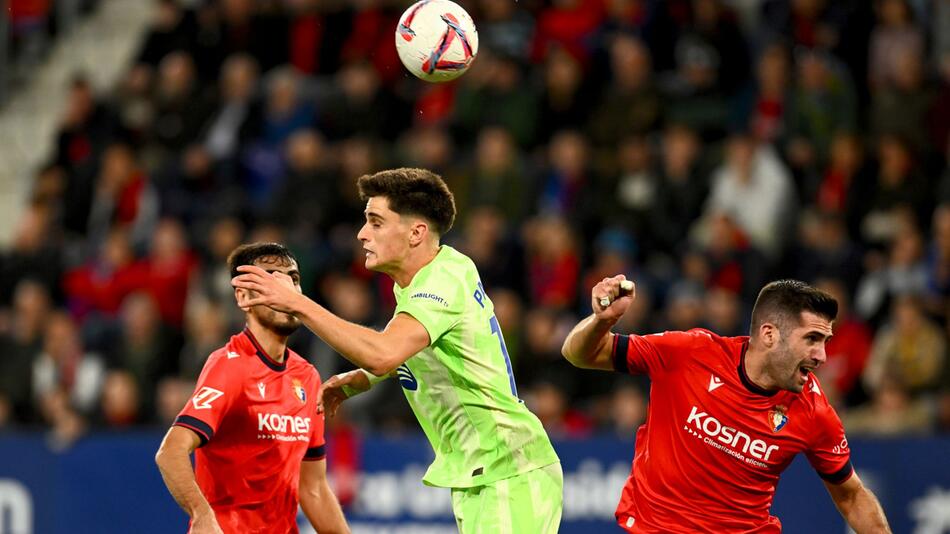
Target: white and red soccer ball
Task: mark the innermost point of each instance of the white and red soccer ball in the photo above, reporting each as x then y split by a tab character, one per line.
436	40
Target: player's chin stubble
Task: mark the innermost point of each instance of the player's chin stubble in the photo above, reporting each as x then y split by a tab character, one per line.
280	323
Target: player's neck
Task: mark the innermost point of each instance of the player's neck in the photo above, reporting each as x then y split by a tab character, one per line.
273	344
417	258
756	368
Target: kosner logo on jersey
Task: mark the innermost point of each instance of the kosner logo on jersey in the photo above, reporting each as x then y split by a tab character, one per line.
732	437
272	422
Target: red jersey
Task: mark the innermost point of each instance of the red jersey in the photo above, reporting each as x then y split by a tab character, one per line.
257	421
713	446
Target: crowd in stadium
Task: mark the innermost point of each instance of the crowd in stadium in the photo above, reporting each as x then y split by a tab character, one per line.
700	147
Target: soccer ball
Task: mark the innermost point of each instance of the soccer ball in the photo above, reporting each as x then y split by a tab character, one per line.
436	40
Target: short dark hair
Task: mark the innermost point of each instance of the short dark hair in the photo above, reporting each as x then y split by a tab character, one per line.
249	253
412	192
783	301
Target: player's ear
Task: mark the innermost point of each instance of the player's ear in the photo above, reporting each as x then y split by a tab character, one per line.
418	232
769	334
242	295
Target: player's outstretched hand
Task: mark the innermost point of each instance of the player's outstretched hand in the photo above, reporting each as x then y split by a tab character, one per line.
274	290
205	524
611	297
332	392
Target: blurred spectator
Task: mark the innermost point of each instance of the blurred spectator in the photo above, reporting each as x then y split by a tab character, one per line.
684	306
35	253
549	401
553	263
754	188
568	187
206	328
901	107
505	28
682	188
498	177
568	24
631	101
65	425
938	261
724	314
120	406
909	350
762	107
21	338
65	367
171	394
170	266
711	58
898	188
194	189
894	40
369	37
307	196
824	103
170	31
628	409
238	112
904	273
847	351
86	129
825	249
846	182
124	198
488	240
497	96
144	352
636	189
181	104
98	286
566	101
361	105
891	412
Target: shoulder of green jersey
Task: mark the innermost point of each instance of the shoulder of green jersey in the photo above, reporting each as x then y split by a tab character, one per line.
429	295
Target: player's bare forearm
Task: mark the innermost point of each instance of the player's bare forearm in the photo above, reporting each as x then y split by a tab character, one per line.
317	500
377	352
175	466
859	507
588	345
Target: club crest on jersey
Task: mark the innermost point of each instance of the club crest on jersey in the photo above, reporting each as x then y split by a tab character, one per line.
299	391
777	418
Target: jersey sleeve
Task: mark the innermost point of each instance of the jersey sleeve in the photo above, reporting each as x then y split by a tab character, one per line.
828	453
437	304
213	396
317	447
653	353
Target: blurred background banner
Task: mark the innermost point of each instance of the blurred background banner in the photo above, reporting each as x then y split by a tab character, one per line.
109	484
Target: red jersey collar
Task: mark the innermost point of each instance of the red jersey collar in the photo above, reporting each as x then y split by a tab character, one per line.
268	361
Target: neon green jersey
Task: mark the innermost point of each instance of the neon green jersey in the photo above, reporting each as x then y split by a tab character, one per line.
461	387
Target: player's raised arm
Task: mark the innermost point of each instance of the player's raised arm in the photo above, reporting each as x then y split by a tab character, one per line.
317	499
589	343
174	463
858	506
377	352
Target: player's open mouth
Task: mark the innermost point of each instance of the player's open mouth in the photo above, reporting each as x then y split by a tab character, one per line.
804	370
